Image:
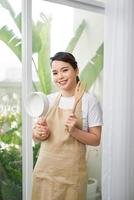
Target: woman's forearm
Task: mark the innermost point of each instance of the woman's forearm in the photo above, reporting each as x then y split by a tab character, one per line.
88	138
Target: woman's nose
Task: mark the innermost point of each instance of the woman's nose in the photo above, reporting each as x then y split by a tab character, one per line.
60	75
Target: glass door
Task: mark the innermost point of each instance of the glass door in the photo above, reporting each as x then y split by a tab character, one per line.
10	101
64	28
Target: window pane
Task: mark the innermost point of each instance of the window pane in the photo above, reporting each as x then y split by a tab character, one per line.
63	28
10	101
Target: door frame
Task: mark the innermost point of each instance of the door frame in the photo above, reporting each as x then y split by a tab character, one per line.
27	155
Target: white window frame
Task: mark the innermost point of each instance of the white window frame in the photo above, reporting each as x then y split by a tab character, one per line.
90	5
27	155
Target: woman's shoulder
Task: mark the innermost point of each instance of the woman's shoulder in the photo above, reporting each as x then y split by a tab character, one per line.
51	97
93	110
90	97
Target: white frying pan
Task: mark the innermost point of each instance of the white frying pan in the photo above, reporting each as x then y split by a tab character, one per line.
36	104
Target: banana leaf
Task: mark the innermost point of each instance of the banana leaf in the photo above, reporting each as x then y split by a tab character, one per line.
14	43
74	40
44	70
93	68
17	19
9	38
36	40
5	4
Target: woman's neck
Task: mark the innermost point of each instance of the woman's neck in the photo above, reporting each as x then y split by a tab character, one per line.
68	93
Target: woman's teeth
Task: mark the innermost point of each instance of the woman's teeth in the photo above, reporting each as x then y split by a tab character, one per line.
62	82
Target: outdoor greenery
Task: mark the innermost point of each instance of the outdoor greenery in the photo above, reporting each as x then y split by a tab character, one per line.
10	123
10	157
10	173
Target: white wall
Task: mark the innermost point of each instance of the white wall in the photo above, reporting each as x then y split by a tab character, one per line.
92	36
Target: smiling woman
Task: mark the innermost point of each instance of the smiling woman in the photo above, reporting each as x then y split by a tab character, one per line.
86	33
60	171
64	68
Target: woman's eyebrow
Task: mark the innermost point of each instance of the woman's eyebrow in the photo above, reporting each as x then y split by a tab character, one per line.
54	70
66	67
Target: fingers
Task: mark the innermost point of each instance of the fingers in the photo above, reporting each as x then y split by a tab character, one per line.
71	119
40	135
42	121
71	122
41	127
40	130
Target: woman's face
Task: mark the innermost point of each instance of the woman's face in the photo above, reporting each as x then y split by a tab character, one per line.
64	75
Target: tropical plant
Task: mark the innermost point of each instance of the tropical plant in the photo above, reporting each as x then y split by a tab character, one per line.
93	68
10	173
10	157
41	34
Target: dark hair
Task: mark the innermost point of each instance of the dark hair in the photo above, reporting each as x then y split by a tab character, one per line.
66	57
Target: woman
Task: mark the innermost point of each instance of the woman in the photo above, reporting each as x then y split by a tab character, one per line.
74	120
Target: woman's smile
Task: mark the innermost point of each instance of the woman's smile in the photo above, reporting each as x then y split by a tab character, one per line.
63	82
64	76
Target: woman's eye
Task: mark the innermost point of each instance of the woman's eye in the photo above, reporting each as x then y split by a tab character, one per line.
65	70
54	73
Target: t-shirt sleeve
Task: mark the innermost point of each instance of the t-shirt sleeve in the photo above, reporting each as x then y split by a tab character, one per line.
95	116
51	98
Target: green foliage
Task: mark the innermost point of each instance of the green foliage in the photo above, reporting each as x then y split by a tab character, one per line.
36	148
73	42
18	21
40	45
36	40
93	68
7	6
10	174
41	34
13	42
11	126
44	70
10	157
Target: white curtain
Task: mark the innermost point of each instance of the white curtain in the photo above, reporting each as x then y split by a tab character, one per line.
118	104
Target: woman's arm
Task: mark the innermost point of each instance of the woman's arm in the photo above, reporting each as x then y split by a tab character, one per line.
90	137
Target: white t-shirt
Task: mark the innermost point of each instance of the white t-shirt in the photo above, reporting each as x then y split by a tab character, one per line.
91	109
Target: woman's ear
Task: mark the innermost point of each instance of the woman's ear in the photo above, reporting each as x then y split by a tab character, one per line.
77	71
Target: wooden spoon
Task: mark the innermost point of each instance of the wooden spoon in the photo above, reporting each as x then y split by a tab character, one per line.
79	91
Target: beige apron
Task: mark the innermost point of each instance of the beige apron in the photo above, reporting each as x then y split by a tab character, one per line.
60	172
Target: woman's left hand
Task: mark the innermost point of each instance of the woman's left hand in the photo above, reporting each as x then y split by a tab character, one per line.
71	123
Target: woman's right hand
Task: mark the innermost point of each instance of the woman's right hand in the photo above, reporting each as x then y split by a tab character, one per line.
40	130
